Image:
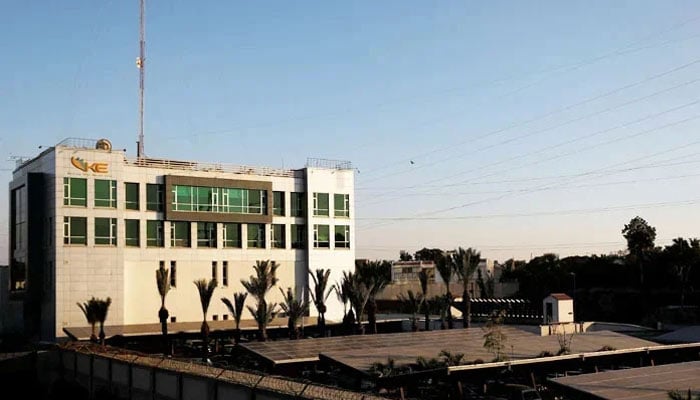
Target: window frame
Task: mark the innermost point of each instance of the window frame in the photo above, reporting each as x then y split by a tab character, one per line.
131	204
159	239
226	241
318	198
158	203
260	239
274	242
318	244
110	240
297	204
278	203
209	228
298	230
128	241
111	200
344	244
343	212
69	238
177	239
69	187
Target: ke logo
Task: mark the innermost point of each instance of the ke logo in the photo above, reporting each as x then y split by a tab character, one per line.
98	167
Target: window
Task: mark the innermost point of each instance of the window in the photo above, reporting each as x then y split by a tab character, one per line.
321	236
278	203
225	317
75	230
173	274
219	200
321	204
75	192
341	205
154	233
173	319
224	275
154	197
278	236
106	231
232	235
342	236
131	191
256	236
132	230
298	204
105	193
298	236
179	234
206	234
213	270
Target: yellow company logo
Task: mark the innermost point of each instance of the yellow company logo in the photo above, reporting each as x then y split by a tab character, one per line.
98	167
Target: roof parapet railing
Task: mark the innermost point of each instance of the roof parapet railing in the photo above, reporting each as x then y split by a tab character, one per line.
81	143
328	164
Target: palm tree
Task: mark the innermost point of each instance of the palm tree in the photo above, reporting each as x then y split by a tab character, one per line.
163	282
412	303
358	295
375	276
88	309
295	308
319	296
206	291
423	277
450	359
236	310
342	292
465	263
258	285
101	308
445	270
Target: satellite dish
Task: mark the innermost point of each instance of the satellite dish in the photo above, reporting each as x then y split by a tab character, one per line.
103	144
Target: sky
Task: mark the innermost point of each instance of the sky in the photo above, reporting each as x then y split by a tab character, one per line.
517	128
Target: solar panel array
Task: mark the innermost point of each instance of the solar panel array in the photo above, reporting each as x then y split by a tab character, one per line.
646	383
360	352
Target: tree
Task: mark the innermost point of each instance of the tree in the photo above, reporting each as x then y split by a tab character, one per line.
678	395
445	270
439	305
319	295
206	291
405	256
412	303
342	292
683	255
236	310
486	285
494	338
89	310
424	278
449	359
358	295
258	285
640	238
375	275
295	308
163	283
464	263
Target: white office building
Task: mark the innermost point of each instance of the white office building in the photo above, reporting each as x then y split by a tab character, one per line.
86	220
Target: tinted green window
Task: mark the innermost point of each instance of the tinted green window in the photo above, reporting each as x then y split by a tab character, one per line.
232	235
278	203
341	205
154	197
106	231
298	204
298	236
342	236
256	236
179	234
131	191
278	236
206	234
75	192
321	204
132	230
105	193
75	230
154	233
321	236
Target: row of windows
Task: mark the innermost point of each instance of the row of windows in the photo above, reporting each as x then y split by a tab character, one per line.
203	199
105	233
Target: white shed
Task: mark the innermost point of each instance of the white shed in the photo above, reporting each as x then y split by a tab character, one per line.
558	308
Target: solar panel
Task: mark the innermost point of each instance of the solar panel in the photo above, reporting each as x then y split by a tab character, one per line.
647	383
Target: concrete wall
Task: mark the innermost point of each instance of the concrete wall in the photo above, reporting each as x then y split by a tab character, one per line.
134	377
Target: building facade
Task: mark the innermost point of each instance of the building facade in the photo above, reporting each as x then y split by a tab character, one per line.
86	221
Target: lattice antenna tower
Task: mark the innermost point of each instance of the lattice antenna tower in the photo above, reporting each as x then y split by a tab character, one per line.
141	65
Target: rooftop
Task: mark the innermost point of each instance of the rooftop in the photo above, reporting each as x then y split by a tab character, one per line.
647	383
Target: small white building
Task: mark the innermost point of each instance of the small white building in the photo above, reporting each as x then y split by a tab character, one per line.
558	308
86	220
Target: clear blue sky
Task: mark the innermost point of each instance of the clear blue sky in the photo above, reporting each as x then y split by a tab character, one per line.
448	109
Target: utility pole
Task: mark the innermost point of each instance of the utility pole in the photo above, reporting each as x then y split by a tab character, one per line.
141	65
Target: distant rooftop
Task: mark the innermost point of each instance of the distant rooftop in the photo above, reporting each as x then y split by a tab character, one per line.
86	143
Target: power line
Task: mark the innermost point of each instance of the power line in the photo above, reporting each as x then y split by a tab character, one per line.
541	213
546	115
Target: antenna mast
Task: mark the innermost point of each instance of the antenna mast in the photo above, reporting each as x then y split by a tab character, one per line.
141	65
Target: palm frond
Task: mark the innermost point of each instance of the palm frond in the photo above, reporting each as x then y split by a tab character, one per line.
101	309
206	291
163	281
